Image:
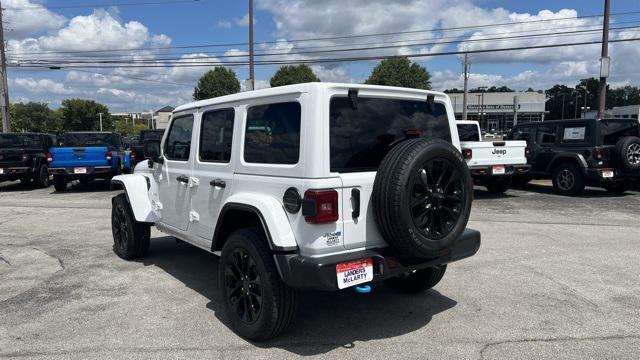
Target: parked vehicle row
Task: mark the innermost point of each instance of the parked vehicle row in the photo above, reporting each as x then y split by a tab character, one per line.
24	157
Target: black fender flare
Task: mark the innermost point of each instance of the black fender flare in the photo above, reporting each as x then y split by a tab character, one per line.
567	157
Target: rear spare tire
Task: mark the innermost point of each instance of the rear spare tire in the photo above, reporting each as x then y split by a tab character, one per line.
628	149
422	197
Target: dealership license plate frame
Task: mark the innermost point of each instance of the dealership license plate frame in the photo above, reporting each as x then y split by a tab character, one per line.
352	273
498	170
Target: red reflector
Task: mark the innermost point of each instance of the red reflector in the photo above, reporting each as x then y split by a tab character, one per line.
413	132
392	263
527	152
467	153
599	153
49	157
326	206
108	156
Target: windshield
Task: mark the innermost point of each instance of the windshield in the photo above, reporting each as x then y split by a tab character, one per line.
360	138
19	141
612	130
468	132
89	139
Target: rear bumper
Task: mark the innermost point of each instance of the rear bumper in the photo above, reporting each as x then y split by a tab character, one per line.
13	173
595	176
320	273
485	171
70	171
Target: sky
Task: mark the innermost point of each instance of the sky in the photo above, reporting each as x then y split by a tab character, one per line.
92	30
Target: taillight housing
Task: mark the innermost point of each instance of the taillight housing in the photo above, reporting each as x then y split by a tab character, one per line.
108	156
49	157
599	153
527	152
467	154
320	206
25	157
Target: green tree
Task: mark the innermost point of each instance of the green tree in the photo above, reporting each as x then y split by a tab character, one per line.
556	97
399	71
293	74
83	115
217	82
33	116
124	126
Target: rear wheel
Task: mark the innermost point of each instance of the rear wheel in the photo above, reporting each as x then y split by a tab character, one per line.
568	180
498	185
417	281
59	182
130	238
42	177
259	305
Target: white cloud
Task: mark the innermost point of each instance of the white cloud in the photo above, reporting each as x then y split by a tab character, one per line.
41	86
226	24
244	21
30	17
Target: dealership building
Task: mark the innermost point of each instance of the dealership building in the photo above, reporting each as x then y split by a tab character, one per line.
501	110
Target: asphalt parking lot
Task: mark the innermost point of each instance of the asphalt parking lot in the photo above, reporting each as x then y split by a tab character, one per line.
555	277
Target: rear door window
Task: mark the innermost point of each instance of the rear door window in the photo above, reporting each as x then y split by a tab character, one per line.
468	132
576	133
360	138
178	144
546	135
216	135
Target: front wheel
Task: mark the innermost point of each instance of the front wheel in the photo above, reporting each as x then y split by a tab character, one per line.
42	177
417	281
258	304
130	238
568	180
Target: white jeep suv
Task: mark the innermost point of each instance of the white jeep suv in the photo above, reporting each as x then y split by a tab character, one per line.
309	186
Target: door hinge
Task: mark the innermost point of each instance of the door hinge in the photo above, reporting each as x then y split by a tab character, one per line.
193	182
194	216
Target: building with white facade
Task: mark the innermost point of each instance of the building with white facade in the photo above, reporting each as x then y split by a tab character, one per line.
500	110
626	112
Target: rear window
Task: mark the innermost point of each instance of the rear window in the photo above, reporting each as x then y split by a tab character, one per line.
468	132
360	138
89	140
612	131
19	141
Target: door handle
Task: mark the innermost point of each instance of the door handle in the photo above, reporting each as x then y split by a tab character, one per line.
183	179
355	194
218	183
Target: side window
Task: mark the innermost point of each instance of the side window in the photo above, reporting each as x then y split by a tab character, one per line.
575	134
546	135
216	135
178	143
522	133
272	134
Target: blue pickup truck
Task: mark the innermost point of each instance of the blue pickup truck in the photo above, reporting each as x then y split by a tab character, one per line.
86	156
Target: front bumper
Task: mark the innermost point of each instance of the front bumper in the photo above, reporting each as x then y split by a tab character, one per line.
320	273
485	171
70	171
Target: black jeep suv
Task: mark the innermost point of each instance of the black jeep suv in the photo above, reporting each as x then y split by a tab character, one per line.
575	153
23	156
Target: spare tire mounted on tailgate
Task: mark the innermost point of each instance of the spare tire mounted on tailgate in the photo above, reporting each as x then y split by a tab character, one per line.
422	197
628	149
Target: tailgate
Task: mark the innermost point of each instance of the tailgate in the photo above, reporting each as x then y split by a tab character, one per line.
496	152
360	231
11	158
65	157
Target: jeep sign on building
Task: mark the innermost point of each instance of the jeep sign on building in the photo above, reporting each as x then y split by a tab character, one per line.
497	110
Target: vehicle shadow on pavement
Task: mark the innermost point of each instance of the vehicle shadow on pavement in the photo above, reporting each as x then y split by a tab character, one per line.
17	186
77	187
326	320
480	193
588	192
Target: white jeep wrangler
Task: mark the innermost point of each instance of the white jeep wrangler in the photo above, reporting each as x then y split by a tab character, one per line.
310	186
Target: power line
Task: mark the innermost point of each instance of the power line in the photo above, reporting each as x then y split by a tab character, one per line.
25	8
329	38
182	60
337	60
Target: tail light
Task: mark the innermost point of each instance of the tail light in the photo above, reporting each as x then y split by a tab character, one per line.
320	206
49	157
133	155
599	153
527	152
25	157
108	156
467	153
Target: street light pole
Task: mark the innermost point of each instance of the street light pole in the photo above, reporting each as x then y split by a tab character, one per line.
100	115
604	62
251	64
4	87
563	95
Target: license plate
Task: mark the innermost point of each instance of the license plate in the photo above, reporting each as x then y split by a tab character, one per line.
354	272
80	170
498	170
607	173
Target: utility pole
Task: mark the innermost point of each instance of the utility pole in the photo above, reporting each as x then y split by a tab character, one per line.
466	87
563	94
4	99
604	62
100	115
252	80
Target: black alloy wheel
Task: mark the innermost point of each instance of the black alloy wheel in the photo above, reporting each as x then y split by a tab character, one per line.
243	285
437	197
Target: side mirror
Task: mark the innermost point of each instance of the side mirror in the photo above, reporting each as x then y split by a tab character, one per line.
152	152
